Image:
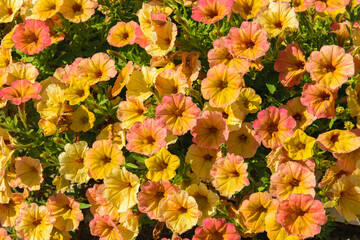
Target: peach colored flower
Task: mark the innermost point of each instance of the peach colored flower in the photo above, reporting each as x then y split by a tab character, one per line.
216	229
78	10
242	142
122	79
330	66
222	85
190	66
10	211
130	111
34	222
19	71
256	208
178	113
179	211
29	171
248	41
338	141
21	91
301	215
211	11
162	165
326	5
291	177
123	33
210	130
341	30
273	126
102	158
291	65
229	175
319	100
170	82
4	234
105	228
147	137
151	194
31	37
66	211
348	161
298	111
248	8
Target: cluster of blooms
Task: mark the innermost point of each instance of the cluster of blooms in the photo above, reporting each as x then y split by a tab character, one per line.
177	141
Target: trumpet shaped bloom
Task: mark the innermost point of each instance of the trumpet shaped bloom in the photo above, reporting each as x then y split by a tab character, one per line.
82	119
162	166
105	228
130	111
8	9
122	79
123	34
211	11
248	8
292	177
21	91
338	141
20	71
78	10
216	229
248	41
298	111
330	66
44	9
178	113
29	171
273	126
299	146
31	37
326	5
147	137
141	83
210	130
229	175
222	85
170	82
78	91
301	215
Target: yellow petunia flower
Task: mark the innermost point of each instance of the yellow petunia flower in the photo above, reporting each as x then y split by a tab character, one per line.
78	91
299	146
162	166
82	119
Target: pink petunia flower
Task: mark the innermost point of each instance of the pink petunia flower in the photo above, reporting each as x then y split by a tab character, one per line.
216	229
21	91
211	11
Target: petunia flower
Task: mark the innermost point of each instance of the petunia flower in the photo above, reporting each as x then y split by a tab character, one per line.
216	229
274	229
255	210
102	158
291	65
291	177
130	111
301	215
78	91
34	222
229	175
121	188
242	142
114	133
248	8
142	83
349	161
29	171
44	9
326	5
319	100
162	166
299	146
273	126
122	79
105	228
82	119
19	71
8	10
4	234
78	10
21	91
5	59
164	42
338	141
151	194
170	82
330	66
179	211
222	85
10	211
147	137
123	34
65	210
31	37
298	111
201	160
210	130
353	99
190	66
72	162
248	101
278	18
248	41
178	113
211	11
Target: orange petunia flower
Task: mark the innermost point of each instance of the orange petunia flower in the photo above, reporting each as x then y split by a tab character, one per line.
248	41
21	91
104	228
151	194
291	65
229	175
147	137
211	11
170	82
301	215
210	130
292	177
338	141
162	166
330	66
273	126
348	161
179	211
29	171
216	229
123	34
178	113
298	111
222	85
44	9
190	66
326	5
122	79
248	8
34	222
20	71
65	210
319	100
102	158
31	37
130	111
78	10
10	211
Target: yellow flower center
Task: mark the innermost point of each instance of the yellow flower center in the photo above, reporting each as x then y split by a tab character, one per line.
224	85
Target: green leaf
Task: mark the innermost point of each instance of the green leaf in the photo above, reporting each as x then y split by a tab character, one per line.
84	205
131	165
331	123
271	87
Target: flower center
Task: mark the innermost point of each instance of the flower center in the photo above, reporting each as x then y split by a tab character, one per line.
10	11
224	85
294	183
98	73
297	117
150	140
213	130
85	119
300	146
211	13
52	7
80	92
243	137
76	8
250	45
325	96
334	138
234	174
330	68
225	115
208	157
300	65
163	165
178	112
36	222
32	38
125	35
278	25
183	210
301	212
106	160
272	128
